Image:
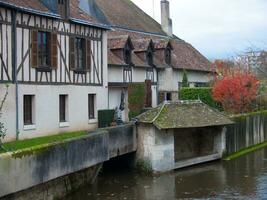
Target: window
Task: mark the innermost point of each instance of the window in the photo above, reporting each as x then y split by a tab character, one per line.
63	108
127	56
80	53
43	49
149	58
28	109
91	106
168	56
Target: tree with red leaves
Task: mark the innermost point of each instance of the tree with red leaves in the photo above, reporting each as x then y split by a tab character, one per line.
236	90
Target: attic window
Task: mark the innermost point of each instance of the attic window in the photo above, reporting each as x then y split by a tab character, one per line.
149	58
127	56
168	57
63	8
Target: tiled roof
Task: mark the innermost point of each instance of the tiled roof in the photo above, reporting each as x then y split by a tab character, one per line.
26	4
113	59
124	13
39	7
117	42
184	114
184	55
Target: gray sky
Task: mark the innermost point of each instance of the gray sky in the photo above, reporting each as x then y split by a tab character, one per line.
217	28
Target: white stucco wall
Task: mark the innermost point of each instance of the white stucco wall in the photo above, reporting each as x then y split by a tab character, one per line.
9	111
169	78
139	74
115	74
114	96
46	109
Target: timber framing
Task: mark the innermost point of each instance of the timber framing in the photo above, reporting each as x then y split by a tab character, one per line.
19	30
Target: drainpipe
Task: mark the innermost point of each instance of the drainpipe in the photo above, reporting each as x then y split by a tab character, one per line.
14	66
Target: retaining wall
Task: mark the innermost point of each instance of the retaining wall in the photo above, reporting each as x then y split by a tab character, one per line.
28	168
248	130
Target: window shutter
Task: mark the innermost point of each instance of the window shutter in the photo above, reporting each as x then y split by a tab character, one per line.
72	53
88	55
34	50
54	51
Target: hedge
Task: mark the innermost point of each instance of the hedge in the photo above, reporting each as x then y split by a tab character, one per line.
105	118
202	93
136	99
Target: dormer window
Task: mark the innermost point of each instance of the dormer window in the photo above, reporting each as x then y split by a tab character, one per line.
127	52
168	57
63	8
149	58
128	56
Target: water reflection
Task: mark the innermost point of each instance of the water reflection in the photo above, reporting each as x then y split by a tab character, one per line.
244	178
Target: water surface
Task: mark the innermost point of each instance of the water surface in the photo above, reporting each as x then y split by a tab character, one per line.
243	178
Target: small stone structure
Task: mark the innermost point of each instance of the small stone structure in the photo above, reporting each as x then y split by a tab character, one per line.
180	134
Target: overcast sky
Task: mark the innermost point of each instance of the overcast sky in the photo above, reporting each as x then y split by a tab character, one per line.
217	28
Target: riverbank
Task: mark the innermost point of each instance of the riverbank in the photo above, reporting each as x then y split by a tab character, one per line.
40	142
245	151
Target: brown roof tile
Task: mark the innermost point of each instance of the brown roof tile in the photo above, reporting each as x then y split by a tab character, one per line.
36	5
27	4
117	42
124	13
184	55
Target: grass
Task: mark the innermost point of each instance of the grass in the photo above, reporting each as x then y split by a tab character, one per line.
29	143
245	151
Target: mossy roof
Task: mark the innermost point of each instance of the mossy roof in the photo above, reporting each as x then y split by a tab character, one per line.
184	114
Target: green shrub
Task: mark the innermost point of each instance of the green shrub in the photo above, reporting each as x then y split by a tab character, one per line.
136	99
105	118
202	93
185	79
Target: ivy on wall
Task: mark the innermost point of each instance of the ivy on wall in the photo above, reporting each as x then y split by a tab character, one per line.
136	98
105	118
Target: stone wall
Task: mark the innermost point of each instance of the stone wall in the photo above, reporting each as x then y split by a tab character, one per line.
247	131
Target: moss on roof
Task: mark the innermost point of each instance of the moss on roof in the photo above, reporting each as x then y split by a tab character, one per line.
184	114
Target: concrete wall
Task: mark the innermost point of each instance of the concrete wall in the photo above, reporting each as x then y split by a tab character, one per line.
246	131
28	168
155	150
165	150
19	172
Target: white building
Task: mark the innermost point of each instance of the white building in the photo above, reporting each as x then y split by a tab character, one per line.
54	57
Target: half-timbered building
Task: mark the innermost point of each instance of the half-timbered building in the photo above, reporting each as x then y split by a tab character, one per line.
53	55
142	50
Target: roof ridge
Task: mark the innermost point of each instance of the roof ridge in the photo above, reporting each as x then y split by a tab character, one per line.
154	119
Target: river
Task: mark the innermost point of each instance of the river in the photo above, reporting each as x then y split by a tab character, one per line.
243	178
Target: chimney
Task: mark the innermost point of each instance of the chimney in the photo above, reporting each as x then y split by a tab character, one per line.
166	22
